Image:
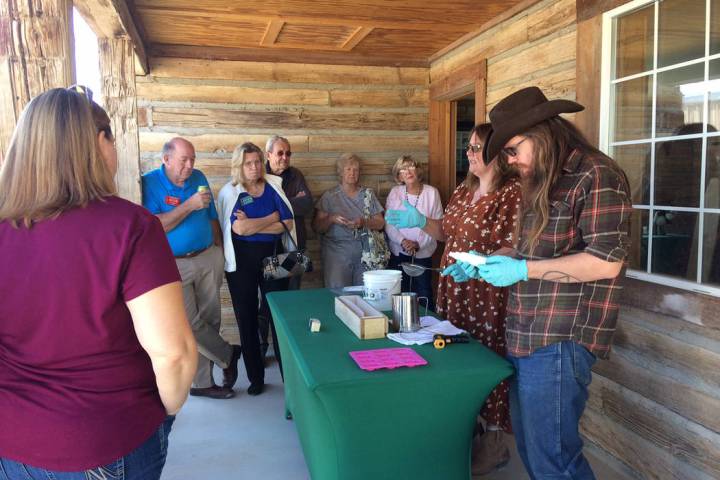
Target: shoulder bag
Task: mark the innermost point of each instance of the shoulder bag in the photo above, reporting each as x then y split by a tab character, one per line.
289	264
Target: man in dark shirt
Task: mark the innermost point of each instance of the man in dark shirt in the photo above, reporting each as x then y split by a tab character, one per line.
571	249
278	155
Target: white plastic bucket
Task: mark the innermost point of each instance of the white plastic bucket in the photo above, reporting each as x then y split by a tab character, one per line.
380	285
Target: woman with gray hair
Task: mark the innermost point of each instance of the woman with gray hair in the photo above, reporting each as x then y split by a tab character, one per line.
344	216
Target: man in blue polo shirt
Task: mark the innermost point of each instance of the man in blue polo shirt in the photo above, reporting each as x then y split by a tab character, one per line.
181	198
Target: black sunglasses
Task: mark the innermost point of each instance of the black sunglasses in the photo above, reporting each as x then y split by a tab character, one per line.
512	151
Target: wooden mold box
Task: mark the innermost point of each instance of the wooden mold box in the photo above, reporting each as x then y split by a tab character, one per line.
365	321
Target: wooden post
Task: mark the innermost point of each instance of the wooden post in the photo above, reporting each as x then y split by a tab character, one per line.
117	72
36	54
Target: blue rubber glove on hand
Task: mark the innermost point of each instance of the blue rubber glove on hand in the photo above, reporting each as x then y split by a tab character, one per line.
408	218
502	271
456	273
470	270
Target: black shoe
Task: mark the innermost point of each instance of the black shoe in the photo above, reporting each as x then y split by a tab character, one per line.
218	393
230	374
256	389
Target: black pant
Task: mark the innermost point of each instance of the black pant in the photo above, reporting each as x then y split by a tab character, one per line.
243	284
421	285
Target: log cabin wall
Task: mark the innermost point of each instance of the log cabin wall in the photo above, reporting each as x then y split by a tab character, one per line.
324	110
653	405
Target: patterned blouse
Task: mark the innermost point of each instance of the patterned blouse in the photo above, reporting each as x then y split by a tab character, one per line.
476	306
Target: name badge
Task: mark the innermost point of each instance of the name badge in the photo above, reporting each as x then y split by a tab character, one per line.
246	200
174	201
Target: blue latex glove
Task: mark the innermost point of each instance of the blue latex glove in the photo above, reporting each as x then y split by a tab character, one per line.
470	270
408	218
502	271
455	272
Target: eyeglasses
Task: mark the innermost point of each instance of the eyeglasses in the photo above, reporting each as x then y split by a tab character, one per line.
473	148
410	168
283	153
512	151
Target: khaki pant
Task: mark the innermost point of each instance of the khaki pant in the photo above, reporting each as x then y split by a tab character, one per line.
202	276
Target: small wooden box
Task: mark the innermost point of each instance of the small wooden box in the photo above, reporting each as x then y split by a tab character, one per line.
365	321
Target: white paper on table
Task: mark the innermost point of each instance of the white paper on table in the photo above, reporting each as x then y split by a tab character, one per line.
430	326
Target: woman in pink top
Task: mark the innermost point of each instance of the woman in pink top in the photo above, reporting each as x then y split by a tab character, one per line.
96	354
412	244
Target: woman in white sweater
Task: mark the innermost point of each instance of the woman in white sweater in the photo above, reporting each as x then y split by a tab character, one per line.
255	215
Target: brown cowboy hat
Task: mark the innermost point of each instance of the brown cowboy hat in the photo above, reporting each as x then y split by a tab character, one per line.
518	112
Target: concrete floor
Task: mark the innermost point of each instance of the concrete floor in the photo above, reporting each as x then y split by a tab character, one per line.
248	437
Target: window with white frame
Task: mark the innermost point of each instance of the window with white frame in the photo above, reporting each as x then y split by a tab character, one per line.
660	120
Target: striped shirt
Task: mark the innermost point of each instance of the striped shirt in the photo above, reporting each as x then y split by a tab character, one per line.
590	208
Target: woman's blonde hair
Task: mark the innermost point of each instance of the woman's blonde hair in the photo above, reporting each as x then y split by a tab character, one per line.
238	159
502	172
405	161
53	163
344	160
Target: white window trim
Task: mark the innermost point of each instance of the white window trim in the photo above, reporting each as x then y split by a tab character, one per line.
606	102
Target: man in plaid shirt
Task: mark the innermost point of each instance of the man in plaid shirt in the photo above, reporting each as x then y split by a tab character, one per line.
572	246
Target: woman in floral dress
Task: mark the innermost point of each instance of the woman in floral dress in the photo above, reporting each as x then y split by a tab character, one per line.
481	216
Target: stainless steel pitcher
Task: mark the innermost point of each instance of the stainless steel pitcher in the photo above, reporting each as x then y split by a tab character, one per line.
405	312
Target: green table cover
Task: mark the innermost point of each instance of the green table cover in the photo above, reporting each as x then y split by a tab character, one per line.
405	423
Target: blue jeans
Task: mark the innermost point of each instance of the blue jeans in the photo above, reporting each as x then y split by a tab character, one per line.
547	398
421	285
144	463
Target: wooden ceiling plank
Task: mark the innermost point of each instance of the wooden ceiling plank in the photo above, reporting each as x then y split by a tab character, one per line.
356	37
496	20
112	19
271	32
308	20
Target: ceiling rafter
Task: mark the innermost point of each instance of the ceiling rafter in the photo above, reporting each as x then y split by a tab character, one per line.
274	27
355	37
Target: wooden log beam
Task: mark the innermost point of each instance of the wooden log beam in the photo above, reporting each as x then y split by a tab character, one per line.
117	71
113	19
36	45
283	55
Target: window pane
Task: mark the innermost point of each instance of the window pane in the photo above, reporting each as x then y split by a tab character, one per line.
674	244
635	160
680	99
677	172
634	42
714	26
711	249
712	173
638	239
633	109
681	31
714	88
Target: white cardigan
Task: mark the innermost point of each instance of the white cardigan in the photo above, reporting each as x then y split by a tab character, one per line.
226	201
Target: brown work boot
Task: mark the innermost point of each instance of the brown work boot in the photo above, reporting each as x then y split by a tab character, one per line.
489	452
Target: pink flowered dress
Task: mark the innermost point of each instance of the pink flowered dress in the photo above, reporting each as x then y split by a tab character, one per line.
477	306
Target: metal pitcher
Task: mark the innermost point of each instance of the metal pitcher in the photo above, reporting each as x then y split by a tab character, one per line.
405	312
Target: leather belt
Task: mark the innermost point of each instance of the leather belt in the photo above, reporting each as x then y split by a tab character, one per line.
193	253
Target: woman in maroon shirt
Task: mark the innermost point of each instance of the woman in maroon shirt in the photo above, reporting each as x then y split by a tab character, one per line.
96	354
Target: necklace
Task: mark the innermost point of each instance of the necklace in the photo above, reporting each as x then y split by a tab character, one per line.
416	199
